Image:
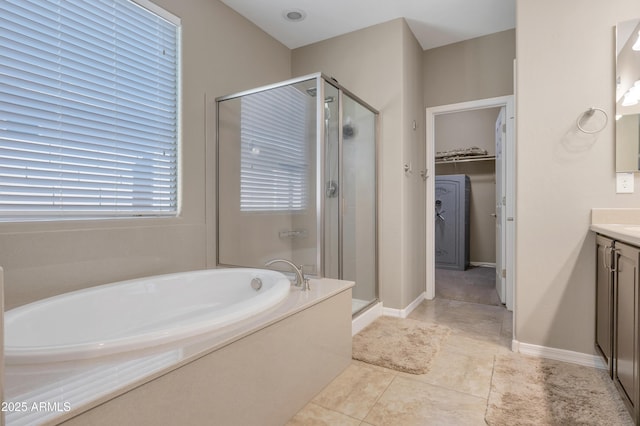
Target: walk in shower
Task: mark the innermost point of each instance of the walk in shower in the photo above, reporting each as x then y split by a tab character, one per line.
296	180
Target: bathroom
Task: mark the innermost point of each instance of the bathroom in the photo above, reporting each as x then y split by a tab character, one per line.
384	65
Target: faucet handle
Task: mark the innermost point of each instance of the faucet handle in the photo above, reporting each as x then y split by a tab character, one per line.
305	280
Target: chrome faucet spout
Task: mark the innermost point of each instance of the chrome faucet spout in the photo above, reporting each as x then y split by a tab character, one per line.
301	280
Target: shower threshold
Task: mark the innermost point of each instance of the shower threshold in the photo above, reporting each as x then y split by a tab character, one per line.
358	305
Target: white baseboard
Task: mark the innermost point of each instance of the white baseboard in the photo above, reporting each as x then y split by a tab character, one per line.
403	313
558	354
365	318
483	264
377	310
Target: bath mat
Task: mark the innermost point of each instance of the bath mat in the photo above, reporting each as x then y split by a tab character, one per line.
536	391
399	344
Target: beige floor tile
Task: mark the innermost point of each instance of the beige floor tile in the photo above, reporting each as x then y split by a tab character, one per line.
410	402
356	390
471	319
315	415
469	374
438	309
467	344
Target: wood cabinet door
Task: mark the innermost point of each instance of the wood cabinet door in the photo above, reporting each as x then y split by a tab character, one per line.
604	299
626	359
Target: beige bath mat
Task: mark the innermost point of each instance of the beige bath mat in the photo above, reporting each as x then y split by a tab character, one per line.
536	391
399	344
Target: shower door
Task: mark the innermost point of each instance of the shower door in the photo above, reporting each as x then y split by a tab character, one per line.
332	192
266	177
350	208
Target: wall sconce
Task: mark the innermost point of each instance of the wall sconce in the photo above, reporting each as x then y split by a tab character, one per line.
632	96
629	100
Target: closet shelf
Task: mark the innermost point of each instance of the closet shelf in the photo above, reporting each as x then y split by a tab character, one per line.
463	159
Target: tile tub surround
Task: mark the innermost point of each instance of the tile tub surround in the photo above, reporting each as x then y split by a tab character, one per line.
221	376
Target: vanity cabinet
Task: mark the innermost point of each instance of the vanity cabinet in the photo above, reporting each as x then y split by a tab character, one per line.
617	321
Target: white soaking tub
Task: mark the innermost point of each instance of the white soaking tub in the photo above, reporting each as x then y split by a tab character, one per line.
137	314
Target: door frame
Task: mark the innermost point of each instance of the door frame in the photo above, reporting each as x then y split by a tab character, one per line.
509	158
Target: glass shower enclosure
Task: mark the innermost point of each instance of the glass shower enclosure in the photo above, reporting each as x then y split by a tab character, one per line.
296	180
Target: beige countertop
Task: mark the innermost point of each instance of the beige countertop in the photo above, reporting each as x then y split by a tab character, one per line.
619	224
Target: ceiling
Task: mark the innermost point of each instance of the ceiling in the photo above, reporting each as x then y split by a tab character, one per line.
434	22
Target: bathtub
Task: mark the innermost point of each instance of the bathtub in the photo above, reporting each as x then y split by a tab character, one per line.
161	350
137	314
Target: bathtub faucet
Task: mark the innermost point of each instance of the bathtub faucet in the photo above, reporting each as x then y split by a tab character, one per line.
301	280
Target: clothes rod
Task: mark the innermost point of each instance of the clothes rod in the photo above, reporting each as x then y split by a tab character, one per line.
466	159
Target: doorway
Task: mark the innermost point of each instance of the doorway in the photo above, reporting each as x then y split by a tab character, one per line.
502	225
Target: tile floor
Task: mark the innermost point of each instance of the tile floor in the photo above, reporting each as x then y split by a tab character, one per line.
453	392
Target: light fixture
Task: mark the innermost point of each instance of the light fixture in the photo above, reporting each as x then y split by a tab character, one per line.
294	15
632	96
629	100
636	45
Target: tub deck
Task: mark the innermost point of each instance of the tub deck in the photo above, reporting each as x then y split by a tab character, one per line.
260	371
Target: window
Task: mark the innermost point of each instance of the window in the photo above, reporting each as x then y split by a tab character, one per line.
274	164
88	109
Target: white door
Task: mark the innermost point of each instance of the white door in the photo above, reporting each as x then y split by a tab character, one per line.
501	281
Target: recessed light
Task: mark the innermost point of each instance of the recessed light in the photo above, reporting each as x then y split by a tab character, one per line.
294	15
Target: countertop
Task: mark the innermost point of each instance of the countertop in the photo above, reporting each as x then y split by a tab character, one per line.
626	233
619	224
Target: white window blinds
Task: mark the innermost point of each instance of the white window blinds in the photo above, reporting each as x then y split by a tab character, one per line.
88	109
274	164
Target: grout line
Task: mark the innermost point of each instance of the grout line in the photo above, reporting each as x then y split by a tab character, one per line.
493	370
335	411
423	382
380	396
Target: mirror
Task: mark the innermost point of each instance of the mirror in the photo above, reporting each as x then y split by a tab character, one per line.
628	96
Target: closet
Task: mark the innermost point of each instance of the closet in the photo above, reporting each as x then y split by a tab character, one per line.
465	144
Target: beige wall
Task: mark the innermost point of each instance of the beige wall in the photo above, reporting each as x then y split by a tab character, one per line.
222	53
380	64
564	67
463	130
414	187
474	69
